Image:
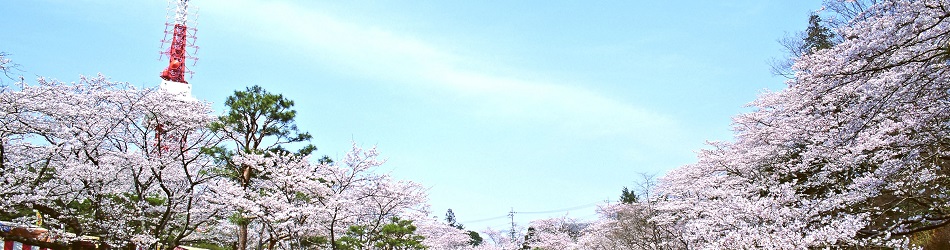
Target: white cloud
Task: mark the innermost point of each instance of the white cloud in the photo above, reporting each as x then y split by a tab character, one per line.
372	50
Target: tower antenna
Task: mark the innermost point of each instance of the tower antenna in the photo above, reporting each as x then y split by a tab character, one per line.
180	49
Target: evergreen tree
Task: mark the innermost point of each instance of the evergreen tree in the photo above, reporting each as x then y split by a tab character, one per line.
257	122
817	36
398	234
530	237
450	218
627	196
476	239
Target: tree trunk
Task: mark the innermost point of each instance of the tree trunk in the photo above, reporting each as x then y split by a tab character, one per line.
271	243
332	234
242	236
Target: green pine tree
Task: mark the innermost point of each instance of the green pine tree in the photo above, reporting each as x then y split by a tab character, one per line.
627	196
257	122
817	36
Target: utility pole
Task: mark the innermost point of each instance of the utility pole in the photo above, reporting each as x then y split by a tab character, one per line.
512	216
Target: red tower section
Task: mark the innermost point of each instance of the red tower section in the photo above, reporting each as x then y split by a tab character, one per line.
176	55
182	39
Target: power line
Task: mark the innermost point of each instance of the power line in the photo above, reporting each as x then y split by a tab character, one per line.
486	219
561	210
533	212
587	217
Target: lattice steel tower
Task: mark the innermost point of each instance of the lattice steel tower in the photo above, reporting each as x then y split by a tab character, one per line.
181	48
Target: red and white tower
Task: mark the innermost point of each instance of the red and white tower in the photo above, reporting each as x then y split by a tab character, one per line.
181	47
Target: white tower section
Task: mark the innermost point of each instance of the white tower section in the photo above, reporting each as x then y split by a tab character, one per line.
177	88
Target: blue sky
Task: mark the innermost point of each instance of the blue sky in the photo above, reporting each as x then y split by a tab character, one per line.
493	105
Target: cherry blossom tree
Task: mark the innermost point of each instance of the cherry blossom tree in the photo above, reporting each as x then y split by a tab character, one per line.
852	154
297	203
501	239
144	167
438	234
6	65
554	233
361	197
631	224
85	156
282	200
286	200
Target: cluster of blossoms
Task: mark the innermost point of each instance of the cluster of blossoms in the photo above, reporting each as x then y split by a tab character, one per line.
132	166
855	152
